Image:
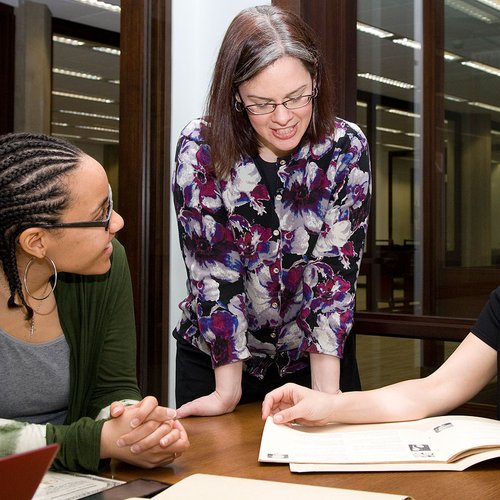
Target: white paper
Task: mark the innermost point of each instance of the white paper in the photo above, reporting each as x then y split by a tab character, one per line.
71	486
424	444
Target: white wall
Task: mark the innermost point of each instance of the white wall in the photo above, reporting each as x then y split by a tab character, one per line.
198	27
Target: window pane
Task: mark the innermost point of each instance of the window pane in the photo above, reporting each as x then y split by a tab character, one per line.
389	62
472	158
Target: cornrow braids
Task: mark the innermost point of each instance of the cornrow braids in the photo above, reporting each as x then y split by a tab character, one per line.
32	167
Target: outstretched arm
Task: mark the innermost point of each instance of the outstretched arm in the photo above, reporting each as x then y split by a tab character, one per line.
463	375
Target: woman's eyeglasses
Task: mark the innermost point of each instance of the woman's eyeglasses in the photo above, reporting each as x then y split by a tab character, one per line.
91	223
267	108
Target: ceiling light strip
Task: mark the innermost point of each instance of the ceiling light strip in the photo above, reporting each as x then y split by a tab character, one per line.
408	42
72	95
88	115
98	129
67	41
472	11
494	4
387	81
107	50
483	105
99	4
100	139
482	67
76	74
372	30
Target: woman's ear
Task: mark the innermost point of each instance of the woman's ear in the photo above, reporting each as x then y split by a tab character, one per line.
33	242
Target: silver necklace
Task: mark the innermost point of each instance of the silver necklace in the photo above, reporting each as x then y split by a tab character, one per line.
32	326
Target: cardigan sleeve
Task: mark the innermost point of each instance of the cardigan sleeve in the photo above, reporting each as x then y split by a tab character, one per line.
98	321
215	305
330	277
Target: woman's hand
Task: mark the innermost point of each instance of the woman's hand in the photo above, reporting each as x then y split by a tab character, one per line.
154	443
295	403
225	397
148	409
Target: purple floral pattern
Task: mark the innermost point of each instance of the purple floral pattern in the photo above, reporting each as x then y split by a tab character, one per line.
272	279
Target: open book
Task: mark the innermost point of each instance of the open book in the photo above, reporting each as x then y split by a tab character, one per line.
451	443
213	487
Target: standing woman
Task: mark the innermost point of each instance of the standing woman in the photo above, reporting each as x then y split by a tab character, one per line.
67	331
272	196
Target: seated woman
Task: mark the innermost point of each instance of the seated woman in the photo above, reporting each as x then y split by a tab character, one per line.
67	334
472	365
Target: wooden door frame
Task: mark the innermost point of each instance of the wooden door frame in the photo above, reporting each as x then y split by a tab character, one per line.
144	179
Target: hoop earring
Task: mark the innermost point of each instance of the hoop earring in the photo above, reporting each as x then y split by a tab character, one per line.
238	106
25	278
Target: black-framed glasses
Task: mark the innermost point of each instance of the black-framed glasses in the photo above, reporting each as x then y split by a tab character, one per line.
91	223
268	107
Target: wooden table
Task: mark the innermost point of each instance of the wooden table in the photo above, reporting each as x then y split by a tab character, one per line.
229	444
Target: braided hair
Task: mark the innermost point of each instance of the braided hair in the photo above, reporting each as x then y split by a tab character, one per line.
32	167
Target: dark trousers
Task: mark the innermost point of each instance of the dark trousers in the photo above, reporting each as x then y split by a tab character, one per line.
195	376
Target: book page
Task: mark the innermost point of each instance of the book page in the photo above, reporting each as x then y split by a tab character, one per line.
331	444
459	435
458	465
436	439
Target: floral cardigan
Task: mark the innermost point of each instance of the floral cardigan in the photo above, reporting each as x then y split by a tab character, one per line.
271	279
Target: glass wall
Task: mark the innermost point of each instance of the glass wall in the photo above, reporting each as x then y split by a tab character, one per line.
389	110
440	259
471	155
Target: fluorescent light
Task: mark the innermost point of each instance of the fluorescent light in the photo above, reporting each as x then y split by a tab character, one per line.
395	146
89	115
67	41
450	56
69	136
412	134
495	132
84	97
408	42
403	113
112	141
59	124
116	82
482	67
371	30
494	4
107	50
98	129
472	11
101	5
390	130
454	98
76	74
387	81
483	105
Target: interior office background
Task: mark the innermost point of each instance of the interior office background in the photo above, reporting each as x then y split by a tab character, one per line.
419	76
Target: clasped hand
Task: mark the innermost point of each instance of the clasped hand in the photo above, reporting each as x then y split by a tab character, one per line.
144	434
